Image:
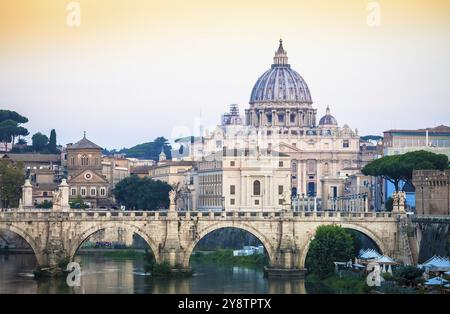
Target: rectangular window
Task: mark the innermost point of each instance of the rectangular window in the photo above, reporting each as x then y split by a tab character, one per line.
345	144
281	118
83	191
231	201
102	191
73	191
232	189
280	201
256	202
280	164
280	190
93	191
232	163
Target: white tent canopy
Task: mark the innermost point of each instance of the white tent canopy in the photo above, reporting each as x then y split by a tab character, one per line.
385	260
369	254
437	263
436	281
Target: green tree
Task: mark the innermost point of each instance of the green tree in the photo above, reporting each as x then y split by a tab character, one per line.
330	244
142	193
399	168
78	203
11	180
10	126
22	141
150	150
39	141
408	275
52	143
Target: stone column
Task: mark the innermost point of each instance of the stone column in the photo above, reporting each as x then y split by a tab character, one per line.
61	198
266	192
287	119
274	116
27	195
241	192
64	189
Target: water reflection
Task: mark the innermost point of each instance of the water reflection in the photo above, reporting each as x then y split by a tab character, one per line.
108	275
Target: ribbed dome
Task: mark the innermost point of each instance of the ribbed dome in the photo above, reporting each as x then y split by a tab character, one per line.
280	83
328	119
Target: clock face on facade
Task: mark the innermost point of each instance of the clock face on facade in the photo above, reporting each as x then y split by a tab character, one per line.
88	176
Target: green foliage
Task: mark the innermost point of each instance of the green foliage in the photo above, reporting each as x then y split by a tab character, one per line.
389	204
160	269
11	180
45	204
398	168
51	147
78	203
371	137
340	284
225	257
40	142
10	126
408	275
150	150
142	193
330	244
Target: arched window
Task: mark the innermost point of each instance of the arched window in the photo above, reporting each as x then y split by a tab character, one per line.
256	188
84	160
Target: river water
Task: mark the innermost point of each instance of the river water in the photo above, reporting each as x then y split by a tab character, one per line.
102	274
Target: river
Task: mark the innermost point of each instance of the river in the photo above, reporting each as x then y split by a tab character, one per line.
102	274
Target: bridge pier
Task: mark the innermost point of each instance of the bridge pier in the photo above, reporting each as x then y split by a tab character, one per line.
56	260
172	252
287	254
55	255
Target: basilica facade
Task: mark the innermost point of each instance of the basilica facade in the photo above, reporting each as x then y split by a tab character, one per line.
282	121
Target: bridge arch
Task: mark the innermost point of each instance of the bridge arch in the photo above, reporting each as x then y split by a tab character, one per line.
83	236
229	224
363	230
29	239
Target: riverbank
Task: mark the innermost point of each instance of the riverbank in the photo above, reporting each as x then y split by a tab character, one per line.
225	257
340	284
115	253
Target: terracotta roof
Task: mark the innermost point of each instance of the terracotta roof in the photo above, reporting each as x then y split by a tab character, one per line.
140	170
33	157
84	143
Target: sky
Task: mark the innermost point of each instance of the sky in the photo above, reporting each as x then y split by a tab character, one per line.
133	70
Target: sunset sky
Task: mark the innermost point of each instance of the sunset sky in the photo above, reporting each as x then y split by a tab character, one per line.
134	70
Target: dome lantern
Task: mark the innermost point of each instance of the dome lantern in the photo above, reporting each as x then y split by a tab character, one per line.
280	57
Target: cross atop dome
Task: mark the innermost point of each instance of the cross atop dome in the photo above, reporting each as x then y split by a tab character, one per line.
280	57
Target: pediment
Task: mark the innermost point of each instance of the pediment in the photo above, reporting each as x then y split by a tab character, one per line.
286	148
88	176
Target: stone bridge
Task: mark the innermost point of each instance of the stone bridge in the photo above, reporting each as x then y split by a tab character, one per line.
55	236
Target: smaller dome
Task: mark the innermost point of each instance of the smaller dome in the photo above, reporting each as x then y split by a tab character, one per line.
328	119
